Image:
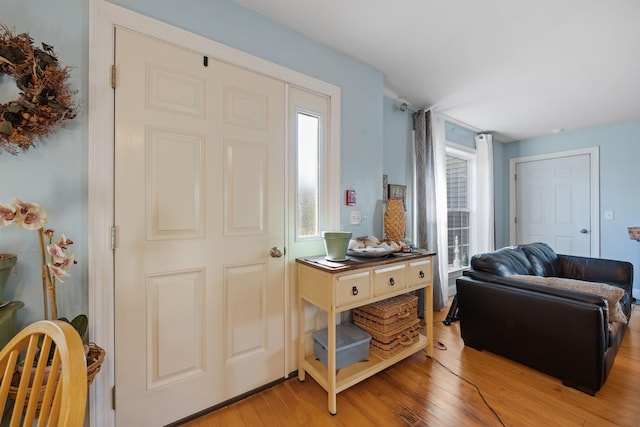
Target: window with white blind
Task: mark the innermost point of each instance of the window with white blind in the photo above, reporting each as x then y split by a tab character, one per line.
460	203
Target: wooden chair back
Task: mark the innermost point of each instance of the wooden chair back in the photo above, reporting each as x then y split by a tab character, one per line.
51	390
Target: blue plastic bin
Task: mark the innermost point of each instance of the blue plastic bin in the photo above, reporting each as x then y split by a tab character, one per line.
352	345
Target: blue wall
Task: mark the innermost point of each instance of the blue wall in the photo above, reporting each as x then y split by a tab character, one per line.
619	176
459	135
397	155
55	174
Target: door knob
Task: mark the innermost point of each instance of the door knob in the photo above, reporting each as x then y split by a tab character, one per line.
584	231
275	252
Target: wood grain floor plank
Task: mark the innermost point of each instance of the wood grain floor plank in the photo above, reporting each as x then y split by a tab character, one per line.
443	391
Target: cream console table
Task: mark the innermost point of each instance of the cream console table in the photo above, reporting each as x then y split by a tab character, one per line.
340	286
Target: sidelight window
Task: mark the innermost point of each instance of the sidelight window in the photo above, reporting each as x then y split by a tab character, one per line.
308	174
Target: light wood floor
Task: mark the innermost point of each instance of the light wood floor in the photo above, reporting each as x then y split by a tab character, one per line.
459	387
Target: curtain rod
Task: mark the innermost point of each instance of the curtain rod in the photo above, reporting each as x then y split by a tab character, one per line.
406	107
412	108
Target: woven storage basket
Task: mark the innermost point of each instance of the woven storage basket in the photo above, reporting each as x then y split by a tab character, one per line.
369	322
394	219
390	310
95	357
399	342
387	337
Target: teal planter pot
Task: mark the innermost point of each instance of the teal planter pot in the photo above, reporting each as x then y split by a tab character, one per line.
336	244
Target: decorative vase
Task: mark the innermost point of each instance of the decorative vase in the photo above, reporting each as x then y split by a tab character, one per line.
7	261
394	220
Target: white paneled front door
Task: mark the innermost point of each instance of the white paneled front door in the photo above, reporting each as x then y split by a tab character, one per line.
199	203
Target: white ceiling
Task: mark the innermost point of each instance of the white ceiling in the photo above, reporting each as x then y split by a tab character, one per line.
518	68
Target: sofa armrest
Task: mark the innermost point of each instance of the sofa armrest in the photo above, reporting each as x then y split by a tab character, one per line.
618	273
523	325
596	270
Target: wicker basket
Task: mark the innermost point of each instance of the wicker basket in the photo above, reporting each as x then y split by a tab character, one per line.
390	310
388	337
95	357
369	322
399	342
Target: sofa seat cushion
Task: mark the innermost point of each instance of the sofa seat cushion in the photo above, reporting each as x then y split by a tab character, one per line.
612	294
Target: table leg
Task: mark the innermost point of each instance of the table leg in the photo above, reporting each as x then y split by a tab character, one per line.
428	293
331	356
301	336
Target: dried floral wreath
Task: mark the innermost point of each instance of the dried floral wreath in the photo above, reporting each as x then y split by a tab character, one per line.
45	99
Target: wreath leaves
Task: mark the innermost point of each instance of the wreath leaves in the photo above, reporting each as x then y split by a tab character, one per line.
45	100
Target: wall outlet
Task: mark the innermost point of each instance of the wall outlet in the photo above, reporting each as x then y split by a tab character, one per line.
355	217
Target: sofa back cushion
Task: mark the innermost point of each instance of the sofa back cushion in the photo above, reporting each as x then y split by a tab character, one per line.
503	262
543	259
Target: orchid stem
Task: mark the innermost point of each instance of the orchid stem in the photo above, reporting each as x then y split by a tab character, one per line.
48	286
45	271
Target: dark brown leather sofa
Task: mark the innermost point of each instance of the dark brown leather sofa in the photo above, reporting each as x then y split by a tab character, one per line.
561	332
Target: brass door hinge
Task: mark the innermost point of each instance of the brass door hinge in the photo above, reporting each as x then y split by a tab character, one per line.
114	237
113	76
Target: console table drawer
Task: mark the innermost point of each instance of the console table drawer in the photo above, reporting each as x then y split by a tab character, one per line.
419	272
352	288
389	279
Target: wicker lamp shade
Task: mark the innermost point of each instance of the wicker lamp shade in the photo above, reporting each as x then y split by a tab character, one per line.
394	220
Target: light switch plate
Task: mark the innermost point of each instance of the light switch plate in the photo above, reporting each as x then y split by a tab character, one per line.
355	217
608	215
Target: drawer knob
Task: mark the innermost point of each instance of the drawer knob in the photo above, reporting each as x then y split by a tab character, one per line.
421	274
354	290
391	281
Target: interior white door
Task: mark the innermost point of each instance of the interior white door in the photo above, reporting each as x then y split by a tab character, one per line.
553	203
199	203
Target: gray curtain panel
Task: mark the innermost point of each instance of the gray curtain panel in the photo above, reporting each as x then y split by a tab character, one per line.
426	222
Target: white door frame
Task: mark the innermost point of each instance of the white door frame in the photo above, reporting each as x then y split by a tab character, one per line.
104	17
594	153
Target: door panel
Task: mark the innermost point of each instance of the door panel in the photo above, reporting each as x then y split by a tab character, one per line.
199	200
175	184
553	203
245	169
174	344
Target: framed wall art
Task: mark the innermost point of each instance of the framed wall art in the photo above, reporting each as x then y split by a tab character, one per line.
398	192
385	187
